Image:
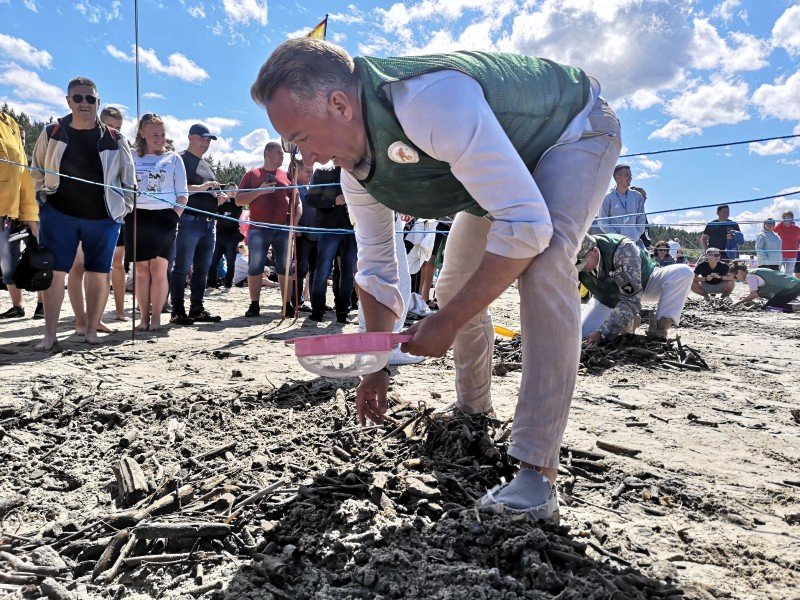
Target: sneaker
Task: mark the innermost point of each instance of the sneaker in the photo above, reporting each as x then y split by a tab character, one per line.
289	310
341	317
13	313
727	301
316	316
167	308
398	357
204	317
254	310
39	312
305	308
181	319
529	493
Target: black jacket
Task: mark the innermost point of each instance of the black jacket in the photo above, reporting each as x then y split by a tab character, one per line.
329	216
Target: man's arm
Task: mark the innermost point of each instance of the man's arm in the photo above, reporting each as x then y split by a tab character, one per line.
704	240
127	172
641	218
38	160
628	276
603	222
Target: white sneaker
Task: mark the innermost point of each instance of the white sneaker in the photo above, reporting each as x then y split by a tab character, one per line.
398	357
529	493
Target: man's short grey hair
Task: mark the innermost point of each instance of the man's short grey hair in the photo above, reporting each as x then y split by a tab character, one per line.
271	145
308	68
111	111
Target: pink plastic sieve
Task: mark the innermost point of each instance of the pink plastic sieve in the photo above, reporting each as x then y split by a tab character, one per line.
347	354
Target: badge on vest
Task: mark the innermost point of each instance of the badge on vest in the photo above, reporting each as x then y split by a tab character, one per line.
402	153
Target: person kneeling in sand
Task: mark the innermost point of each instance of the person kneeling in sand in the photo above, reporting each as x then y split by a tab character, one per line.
778	288
620	275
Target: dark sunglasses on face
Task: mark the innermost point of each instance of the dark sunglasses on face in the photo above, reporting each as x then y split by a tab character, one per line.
663	249
713	254
78	98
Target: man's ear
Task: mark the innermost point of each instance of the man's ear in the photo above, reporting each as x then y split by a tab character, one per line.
339	104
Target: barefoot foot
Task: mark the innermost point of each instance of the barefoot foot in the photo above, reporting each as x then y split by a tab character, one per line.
46	344
92	339
121	317
103	328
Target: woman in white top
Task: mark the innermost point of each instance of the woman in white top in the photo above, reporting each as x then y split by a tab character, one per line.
161	181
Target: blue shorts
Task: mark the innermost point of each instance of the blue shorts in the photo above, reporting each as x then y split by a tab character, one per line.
258	242
9	252
61	234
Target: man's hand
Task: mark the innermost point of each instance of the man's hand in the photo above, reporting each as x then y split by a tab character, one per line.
340	200
371	401
210	185
433	336
593	338
33	226
222	198
268	185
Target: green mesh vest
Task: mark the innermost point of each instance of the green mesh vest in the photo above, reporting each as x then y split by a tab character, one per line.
533	99
607	290
774	282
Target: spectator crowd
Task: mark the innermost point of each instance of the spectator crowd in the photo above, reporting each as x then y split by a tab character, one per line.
191	231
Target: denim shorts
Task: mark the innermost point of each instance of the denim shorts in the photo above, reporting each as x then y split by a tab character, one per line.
258	242
9	251
61	234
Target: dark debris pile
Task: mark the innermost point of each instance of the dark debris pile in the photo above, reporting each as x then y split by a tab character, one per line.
246	494
665	355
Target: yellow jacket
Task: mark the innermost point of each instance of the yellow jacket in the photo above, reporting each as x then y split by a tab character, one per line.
17	199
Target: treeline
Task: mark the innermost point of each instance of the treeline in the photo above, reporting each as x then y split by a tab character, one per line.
688	239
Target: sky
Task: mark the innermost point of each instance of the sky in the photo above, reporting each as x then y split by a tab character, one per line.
677	72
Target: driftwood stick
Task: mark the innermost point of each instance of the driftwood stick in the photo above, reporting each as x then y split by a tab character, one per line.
617	448
110	553
260	494
136	561
17	579
153	531
127	518
20	565
111	574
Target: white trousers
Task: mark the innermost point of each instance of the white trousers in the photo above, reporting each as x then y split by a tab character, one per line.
573	179
669	286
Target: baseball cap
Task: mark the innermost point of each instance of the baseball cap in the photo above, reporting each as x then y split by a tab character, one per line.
202	131
586	245
771	221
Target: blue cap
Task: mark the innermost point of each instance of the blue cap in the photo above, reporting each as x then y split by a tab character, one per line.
202	131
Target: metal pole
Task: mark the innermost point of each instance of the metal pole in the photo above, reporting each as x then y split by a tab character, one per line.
138	116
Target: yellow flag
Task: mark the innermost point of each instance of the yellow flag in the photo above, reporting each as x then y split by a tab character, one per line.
320	30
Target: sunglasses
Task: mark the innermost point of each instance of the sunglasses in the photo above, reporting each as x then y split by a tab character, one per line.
713	255
78	98
662	249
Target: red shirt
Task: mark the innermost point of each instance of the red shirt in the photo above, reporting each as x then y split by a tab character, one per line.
790	238
272	207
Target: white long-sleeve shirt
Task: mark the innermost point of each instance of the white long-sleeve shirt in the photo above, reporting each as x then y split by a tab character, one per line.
446	115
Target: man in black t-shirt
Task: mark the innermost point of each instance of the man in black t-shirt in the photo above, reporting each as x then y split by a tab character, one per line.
81	154
715	235
711	276
194	246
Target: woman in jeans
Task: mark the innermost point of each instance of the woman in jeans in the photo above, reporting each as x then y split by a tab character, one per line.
161	181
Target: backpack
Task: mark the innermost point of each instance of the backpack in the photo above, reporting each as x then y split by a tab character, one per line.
34	272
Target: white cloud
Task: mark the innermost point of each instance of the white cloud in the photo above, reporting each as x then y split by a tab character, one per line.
35	110
28	86
710	51
725	9
781	99
255	140
30	5
650	53
773	210
19	50
97	13
674	130
153	96
786	31
244	11
353	16
720	102
198	12
774	147
179	65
